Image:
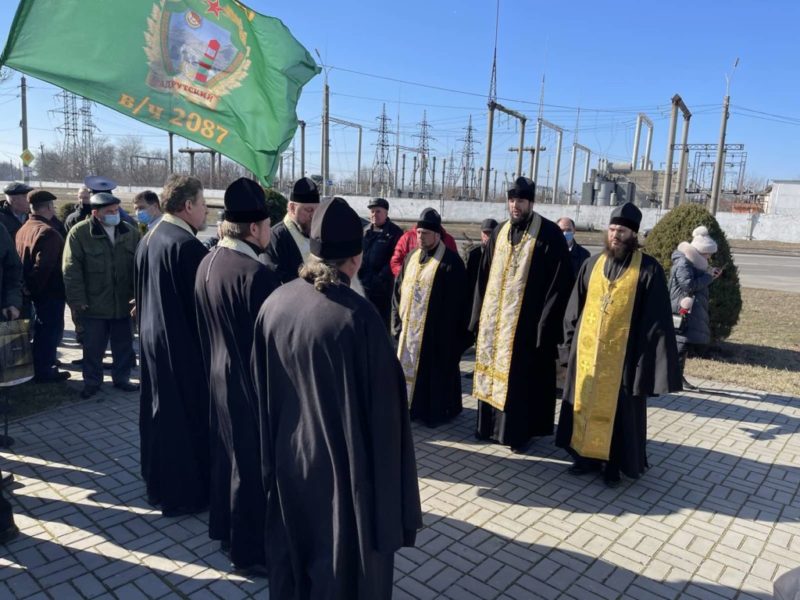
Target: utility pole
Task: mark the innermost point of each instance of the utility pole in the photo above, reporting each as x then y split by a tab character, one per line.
397	148
325	139
677	103
171	153
302	148
403	177
444	167
325	129
719	166
24	124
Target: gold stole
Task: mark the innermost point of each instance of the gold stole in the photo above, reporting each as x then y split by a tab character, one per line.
415	293
502	304
301	241
602	345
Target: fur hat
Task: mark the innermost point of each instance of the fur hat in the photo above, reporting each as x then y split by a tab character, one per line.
702	242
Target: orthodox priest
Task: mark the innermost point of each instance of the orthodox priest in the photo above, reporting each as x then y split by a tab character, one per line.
619	345
230	287
288	249
174	402
337	455
430	318
522	290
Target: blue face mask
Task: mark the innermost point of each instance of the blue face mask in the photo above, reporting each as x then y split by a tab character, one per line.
111	220
569	235
144	217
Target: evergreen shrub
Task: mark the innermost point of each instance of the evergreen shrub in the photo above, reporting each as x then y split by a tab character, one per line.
725	298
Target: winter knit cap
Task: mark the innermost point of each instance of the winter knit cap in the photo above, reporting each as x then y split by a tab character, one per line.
702	242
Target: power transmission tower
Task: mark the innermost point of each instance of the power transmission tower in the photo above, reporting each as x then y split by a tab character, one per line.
87	136
452	175
467	161
68	103
381	168
423	151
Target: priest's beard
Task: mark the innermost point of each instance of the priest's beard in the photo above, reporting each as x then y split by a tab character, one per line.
620	253
522	218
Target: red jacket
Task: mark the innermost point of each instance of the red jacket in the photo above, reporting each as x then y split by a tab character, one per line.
408	243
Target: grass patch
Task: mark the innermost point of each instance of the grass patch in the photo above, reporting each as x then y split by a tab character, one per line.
763	351
30	398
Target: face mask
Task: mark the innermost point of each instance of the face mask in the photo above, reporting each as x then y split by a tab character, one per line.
569	235
111	220
144	217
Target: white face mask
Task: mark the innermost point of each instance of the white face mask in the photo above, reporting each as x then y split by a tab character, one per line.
111	220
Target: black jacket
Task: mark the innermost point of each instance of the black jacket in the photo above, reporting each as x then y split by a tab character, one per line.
577	256
9	220
375	273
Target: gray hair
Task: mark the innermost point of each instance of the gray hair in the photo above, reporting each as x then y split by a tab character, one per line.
236	231
320	272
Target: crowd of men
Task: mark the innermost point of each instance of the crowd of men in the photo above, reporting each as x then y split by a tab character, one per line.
321	338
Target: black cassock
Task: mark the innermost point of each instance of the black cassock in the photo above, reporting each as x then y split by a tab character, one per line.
230	288
282	254
531	401
337	453
437	390
174	404
651	361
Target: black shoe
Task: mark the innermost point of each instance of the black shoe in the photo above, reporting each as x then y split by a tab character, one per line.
53	377
127	386
611	477
9	534
180	511
250	572
582	466
77	362
89	391
689	386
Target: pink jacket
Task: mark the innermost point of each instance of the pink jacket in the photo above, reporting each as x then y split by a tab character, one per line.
408	243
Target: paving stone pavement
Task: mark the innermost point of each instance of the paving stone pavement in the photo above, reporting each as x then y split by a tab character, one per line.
716	516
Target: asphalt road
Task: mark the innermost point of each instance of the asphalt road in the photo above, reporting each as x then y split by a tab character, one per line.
767	271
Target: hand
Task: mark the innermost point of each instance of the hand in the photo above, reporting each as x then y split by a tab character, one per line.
716	272
78	308
11	313
133	308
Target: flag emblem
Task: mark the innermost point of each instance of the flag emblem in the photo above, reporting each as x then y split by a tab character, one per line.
197	58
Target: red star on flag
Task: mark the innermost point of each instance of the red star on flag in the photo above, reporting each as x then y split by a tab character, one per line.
214	7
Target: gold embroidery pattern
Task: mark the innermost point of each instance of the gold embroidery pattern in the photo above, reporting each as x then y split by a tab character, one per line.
415	294
502	304
602	345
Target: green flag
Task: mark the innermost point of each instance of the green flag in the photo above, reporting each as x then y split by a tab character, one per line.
212	71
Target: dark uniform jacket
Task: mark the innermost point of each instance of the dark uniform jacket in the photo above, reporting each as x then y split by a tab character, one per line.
577	256
375	273
76	216
40	247
10	272
9	220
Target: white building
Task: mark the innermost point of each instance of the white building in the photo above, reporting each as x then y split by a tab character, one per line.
784	199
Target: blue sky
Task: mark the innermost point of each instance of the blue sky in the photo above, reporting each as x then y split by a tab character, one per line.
612	60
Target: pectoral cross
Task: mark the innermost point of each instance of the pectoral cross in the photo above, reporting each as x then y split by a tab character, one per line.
605	302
